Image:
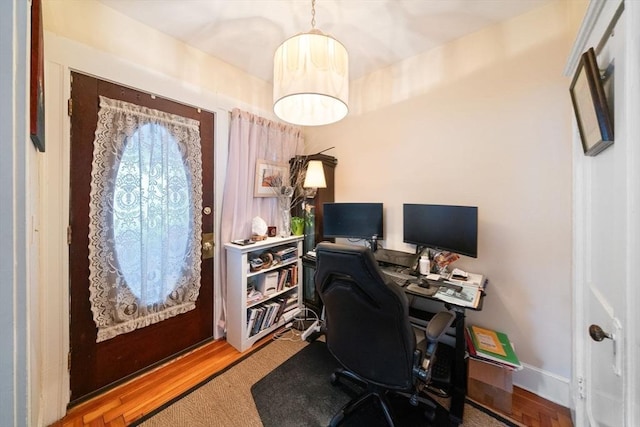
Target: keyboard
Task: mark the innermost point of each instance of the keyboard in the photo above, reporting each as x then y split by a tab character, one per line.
398	278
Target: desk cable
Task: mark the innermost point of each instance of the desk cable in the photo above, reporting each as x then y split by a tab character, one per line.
295	329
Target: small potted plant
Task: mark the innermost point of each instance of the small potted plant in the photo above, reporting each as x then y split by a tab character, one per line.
297	226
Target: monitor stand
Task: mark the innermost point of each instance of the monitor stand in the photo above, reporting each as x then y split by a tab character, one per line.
373	243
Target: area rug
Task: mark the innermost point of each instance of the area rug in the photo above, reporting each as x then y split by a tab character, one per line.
225	399
299	393
288	378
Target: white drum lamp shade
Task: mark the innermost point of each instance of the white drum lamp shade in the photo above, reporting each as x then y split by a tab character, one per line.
311	80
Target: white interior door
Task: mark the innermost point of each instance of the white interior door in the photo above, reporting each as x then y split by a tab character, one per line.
603	248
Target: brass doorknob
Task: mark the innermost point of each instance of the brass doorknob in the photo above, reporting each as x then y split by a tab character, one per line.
207	245
597	334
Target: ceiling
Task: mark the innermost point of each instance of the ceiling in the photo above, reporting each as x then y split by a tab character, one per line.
376	33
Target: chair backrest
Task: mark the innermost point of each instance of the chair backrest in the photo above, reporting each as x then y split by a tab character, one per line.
367	320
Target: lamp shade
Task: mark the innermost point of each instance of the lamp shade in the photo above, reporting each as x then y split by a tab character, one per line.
315	175
311	79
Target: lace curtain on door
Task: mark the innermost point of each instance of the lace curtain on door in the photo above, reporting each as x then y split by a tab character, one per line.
144	217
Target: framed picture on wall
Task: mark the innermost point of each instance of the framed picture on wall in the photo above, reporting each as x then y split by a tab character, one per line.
270	176
590	106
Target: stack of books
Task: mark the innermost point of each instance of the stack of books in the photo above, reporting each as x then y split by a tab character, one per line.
491	346
267	314
287	277
285	253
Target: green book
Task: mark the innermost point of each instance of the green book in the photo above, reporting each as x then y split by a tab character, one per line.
494	346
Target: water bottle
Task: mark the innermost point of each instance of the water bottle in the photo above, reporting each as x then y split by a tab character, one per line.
425	265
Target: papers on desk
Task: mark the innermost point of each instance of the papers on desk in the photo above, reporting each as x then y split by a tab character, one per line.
468	296
472	279
463	293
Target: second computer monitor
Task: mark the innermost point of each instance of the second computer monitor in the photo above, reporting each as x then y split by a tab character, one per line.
352	220
444	227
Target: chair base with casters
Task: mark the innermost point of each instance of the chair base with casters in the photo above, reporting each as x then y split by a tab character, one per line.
381	394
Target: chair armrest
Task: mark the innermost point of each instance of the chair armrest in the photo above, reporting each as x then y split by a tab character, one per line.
438	325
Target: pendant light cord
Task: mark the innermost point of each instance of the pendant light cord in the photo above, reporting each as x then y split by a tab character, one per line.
313	14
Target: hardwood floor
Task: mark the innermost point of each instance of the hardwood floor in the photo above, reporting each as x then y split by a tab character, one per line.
532	410
132	400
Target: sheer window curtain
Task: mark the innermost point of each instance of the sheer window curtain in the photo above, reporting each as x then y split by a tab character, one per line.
251	138
144	217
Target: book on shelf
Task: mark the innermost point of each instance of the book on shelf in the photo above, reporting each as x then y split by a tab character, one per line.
288	277
286	280
251	319
491	345
292	299
282	302
269	313
285	253
274	307
282	278
258	321
266	317
291	303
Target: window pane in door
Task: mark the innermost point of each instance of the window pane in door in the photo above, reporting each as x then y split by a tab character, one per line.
152	213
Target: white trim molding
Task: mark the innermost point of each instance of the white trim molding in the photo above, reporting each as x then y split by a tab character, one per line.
596	21
544	384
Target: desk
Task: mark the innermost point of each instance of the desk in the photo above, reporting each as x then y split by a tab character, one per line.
420	317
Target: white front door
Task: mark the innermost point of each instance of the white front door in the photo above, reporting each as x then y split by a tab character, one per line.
605	240
605	190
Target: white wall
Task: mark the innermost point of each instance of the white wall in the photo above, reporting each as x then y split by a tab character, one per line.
18	238
482	121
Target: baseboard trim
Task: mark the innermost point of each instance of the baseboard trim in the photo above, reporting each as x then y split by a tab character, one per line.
545	384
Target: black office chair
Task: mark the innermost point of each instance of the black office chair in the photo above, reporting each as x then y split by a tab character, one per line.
368	330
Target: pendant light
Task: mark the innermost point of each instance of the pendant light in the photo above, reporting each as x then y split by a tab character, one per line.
311	78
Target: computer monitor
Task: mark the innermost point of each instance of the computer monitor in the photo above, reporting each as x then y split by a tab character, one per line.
442	227
352	220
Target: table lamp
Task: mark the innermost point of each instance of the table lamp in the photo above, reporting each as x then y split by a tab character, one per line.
314	179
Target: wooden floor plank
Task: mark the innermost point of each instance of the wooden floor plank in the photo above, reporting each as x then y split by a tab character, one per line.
564	419
118	422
